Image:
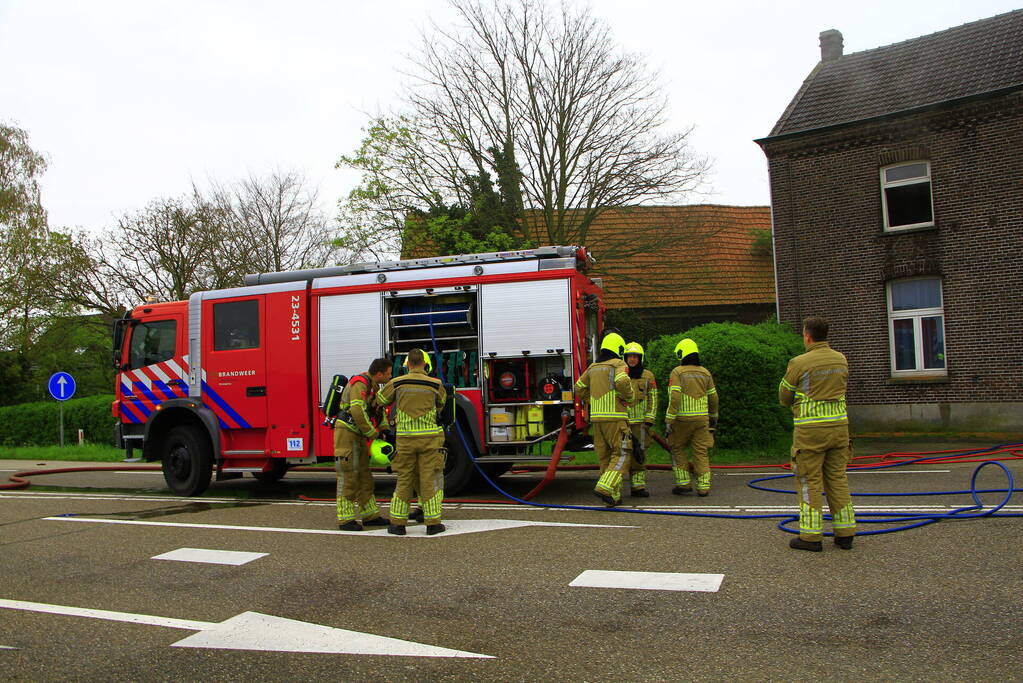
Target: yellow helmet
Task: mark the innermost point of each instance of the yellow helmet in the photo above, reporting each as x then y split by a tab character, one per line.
634	347
380	453
684	348
426	359
614	343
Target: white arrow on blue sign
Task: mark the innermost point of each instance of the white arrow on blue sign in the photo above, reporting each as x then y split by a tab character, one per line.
61	386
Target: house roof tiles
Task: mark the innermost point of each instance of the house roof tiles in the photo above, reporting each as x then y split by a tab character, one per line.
973	59
704	256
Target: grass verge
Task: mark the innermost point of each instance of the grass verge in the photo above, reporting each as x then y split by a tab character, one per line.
88	452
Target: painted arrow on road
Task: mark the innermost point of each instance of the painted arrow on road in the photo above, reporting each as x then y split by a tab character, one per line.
255	631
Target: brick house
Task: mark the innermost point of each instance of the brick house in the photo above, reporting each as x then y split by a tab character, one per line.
897	197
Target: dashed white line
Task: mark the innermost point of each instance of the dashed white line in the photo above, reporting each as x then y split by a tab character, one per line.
232	557
659	581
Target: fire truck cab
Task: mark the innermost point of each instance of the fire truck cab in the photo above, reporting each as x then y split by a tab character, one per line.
232	381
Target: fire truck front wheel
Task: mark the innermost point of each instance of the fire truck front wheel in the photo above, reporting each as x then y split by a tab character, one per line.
187	461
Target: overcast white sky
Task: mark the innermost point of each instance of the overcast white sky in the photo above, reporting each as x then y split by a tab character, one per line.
133	100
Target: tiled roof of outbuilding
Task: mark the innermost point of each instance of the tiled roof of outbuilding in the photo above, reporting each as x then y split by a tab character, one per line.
972	59
706	260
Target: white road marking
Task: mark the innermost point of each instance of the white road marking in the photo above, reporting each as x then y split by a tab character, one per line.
898	471
851	471
235	557
454	528
7	647
454	506
128	617
659	581
745	474
255	631
156	472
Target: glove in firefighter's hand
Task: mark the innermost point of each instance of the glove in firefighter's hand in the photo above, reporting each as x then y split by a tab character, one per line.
668	427
713	424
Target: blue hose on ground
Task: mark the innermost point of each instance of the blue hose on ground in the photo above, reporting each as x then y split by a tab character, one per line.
915	519
920	519
471	452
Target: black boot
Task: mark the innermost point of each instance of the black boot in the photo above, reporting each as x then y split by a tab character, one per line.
844	542
799	544
608	500
417	515
704	493
376	521
351	525
640	493
396	529
680	490
432	529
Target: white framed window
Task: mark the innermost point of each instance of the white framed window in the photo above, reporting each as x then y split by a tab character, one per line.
916	322
906	196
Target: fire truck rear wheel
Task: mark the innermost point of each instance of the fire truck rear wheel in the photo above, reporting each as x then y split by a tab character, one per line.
276	473
458	467
187	461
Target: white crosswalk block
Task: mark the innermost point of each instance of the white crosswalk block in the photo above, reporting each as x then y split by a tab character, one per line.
655	581
234	557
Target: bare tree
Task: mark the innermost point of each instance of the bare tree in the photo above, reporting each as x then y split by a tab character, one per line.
162	251
544	88
273	223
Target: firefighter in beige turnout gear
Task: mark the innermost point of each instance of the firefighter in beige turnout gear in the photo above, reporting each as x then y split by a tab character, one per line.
419	460
355	495
606	389
641	416
690	419
814	386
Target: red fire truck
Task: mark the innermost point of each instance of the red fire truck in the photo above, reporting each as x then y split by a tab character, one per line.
232	381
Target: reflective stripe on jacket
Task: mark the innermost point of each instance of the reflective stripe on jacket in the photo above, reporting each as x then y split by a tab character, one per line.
645	407
417	398
607	387
356	400
814	385
691	394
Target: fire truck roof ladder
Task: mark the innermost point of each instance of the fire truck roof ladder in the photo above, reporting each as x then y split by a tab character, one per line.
540	253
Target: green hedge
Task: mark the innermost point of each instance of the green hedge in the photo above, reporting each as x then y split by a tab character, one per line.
38	424
747	362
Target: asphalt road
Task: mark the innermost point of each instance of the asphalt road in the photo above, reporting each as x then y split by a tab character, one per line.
936	603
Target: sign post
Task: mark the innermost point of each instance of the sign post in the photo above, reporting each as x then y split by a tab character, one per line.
62	387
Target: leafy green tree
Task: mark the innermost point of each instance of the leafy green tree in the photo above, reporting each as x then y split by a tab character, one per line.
20	168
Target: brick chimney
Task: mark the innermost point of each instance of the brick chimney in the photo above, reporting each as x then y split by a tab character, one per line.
831	45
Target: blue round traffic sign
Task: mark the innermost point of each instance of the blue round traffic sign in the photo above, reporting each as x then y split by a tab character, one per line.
61	386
